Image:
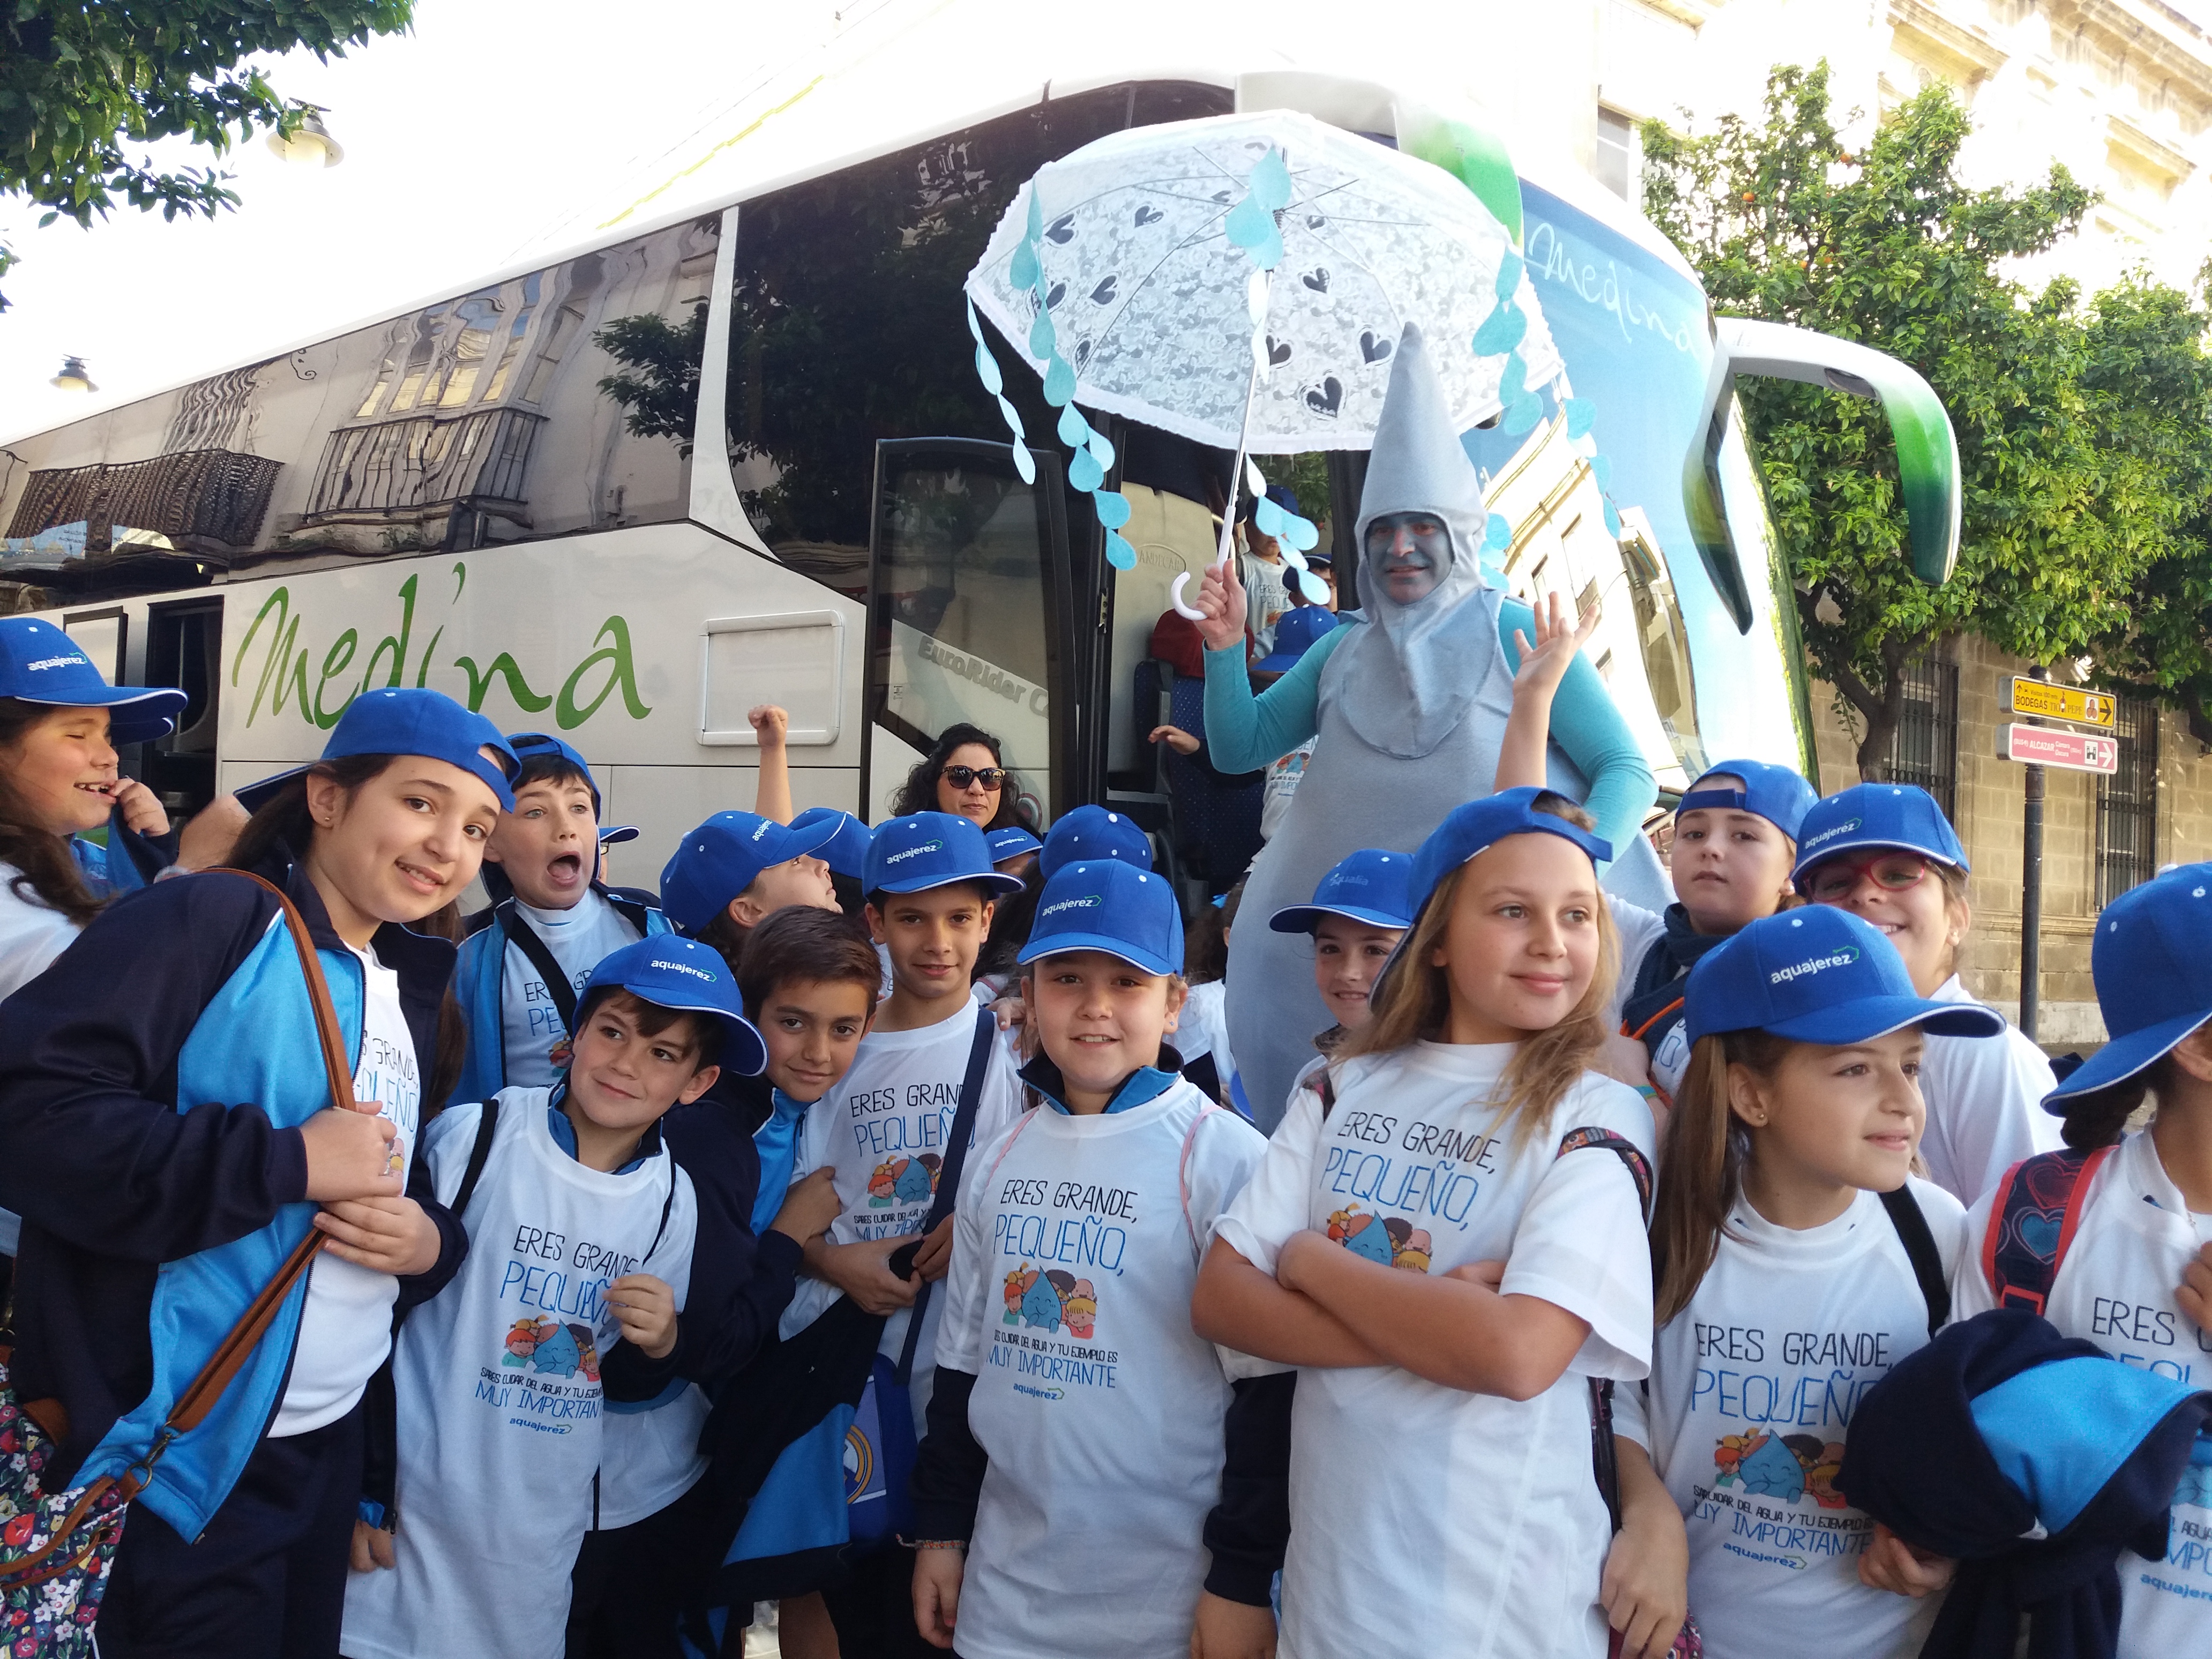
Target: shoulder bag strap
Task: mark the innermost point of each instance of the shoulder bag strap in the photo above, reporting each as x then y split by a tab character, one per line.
1920	1246
480	1151
1183	1167
2033	1221
230	1355
955	1161
1605	1461
539	955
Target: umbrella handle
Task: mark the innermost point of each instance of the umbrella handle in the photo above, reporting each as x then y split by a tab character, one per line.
1175	598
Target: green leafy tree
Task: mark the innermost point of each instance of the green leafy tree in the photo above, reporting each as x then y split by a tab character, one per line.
79	82
1890	247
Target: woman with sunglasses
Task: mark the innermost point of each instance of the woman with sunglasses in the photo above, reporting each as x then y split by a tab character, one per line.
1886	853
961	774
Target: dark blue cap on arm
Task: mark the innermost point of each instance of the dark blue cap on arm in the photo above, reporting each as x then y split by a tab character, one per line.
1092	833
2152	960
1777	793
409	720
1473	828
1104	904
846	851
721	858
1370	886
1898	817
38	663
931	850
1821	975
682	974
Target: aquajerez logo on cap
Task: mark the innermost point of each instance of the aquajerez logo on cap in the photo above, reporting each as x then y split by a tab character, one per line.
1847	827
914	852
1090	902
683	967
1842	957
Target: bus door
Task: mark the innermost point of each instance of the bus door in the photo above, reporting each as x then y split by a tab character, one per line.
970	619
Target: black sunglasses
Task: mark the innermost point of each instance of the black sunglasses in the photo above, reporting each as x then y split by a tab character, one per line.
961	776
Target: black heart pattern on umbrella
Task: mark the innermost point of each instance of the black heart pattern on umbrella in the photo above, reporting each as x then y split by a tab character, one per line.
1103	294
1373	347
1059	293
1279	351
1316	279
1149	216
1326	398
1062	229
1315	222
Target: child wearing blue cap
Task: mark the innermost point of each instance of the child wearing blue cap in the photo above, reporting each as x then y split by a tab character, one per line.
846	853
1886	853
929	1080
1461	1129
735	870
1735	840
593	1247
1359	912
1797	1259
2111	1239
60	722
520	971
1068	1372
170	1142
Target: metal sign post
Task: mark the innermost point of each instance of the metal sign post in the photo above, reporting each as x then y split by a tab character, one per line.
2031	896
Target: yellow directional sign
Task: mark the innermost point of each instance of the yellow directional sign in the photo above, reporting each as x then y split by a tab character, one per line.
2061	703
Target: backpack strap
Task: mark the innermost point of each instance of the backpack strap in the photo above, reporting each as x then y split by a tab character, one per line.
949	1172
1605	1463
1183	1167
2032	1223
1919	1244
1323	1083
487	1130
535	950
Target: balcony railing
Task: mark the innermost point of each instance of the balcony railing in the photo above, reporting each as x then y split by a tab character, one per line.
203	500
424	462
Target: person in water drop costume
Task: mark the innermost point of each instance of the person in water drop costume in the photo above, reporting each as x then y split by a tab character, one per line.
1408	704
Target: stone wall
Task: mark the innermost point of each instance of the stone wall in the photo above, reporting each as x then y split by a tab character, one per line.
1991	804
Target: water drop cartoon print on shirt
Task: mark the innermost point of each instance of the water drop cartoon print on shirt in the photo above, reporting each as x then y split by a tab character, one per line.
904	1181
1784	1466
1046	1300
1393	1240
548	1347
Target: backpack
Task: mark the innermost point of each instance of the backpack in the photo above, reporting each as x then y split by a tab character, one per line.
2032	1223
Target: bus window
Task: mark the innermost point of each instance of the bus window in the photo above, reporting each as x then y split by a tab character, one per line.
968	574
546	404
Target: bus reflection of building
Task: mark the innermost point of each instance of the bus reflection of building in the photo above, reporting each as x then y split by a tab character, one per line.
1550	496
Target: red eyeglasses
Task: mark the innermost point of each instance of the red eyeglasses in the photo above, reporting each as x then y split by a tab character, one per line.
1837	879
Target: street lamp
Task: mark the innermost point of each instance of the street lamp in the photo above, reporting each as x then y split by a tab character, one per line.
73	377
311	143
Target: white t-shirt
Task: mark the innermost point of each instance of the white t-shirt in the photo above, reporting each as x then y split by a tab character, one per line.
31	935
1746	1414
345	1326
2115	1288
1426	1520
1284	775
1640	929
1204	1027
497	1382
882	1129
1073	1261
529	1019
1985	1099
1267	596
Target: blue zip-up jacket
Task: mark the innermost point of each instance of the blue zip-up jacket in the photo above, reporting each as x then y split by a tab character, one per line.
152	1083
477	984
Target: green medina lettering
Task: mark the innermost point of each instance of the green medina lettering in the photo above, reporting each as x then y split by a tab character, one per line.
284	667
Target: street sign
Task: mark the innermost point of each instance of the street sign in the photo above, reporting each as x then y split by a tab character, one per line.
2044	745
2064	703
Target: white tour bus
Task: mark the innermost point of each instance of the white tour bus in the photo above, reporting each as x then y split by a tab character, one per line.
742	455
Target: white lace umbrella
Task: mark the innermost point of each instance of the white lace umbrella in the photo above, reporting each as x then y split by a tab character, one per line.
1152	303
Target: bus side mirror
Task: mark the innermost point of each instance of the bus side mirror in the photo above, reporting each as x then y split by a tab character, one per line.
1927	448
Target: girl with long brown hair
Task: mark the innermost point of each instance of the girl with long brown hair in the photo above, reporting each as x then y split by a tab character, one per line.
1445	1279
1795	1262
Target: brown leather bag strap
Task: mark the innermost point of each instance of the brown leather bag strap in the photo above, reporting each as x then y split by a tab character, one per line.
231	1354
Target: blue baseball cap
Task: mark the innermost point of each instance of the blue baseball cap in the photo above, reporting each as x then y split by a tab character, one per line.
1090	833
528	745
2152	960
670	972
614	834
41	663
931	850
1902	816
1295	632
1776	793
846	851
1104	904
1817	974
409	720
1370	886
715	862
1010	842
1477	825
